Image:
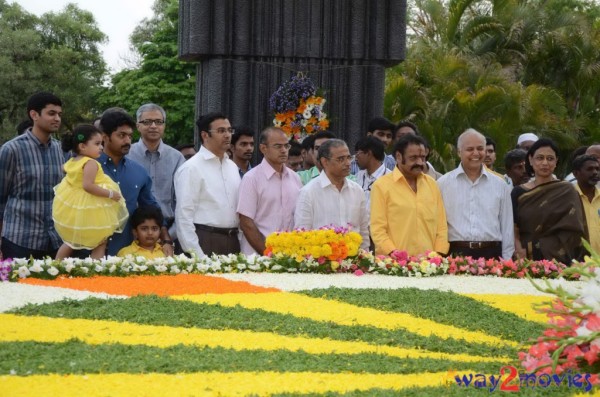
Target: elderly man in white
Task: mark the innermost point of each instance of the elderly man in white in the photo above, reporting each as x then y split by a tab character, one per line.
332	199
478	205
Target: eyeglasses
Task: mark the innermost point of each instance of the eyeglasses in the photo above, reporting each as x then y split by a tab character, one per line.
223	130
341	159
279	146
149	122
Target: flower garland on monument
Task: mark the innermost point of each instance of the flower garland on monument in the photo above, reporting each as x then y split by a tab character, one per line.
298	108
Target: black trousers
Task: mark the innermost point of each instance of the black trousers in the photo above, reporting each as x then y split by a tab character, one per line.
476	253
218	243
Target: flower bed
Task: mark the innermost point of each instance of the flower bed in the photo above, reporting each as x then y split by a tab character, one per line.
364	262
401	264
203	340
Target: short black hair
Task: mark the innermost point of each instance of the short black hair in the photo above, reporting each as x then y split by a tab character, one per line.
295	148
182	146
579	161
80	134
40	100
406	123
308	142
142	214
321	135
371	144
203	122
513	157
239	132
112	120
490	141
408	139
380	123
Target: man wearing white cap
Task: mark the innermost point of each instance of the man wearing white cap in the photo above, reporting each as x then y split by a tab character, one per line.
527	140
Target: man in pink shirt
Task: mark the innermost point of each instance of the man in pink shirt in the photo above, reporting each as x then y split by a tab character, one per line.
268	193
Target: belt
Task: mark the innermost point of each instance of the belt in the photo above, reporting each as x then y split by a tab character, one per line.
219	230
476	244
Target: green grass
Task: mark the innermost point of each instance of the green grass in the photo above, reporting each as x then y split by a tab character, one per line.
153	310
442	391
443	307
76	357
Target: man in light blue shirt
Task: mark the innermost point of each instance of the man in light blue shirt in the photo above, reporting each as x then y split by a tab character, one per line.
159	159
133	179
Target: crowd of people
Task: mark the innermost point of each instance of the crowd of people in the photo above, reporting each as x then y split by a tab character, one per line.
99	194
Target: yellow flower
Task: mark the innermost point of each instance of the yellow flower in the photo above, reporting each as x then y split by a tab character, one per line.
335	265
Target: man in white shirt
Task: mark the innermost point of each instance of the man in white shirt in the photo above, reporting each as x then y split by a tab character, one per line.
478	204
207	193
369	154
330	198
268	193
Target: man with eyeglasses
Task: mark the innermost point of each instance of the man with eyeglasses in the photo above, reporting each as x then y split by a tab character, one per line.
207	187
159	159
407	212
132	177
332	199
268	193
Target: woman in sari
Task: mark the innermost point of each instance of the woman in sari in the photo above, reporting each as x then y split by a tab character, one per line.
549	218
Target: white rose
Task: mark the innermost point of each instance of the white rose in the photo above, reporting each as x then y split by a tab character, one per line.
52	271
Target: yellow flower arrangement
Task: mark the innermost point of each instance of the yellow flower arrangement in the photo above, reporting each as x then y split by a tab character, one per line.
330	243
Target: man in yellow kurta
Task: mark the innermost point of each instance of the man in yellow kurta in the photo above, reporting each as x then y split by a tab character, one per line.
586	170
407	211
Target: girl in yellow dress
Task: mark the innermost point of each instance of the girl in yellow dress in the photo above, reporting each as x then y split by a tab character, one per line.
87	207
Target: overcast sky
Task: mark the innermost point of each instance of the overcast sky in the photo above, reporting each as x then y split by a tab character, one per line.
115	18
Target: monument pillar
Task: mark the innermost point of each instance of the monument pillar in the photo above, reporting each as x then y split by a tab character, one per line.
245	49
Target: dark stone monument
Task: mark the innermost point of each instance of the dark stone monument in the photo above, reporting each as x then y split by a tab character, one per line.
246	48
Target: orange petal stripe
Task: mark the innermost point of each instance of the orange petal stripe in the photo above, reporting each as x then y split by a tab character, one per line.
180	284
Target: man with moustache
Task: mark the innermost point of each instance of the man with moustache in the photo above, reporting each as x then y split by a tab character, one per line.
30	167
268	193
332	199
586	169
207	188
407	212
159	159
406	127
132	177
478	204
242	149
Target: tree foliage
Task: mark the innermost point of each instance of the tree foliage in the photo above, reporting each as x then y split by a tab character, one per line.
503	67
56	52
160	78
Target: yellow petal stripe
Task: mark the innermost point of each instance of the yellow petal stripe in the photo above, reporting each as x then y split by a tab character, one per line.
520	305
49	329
344	314
209	383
